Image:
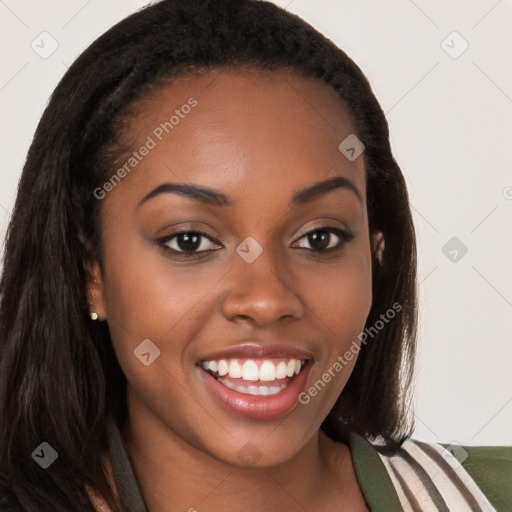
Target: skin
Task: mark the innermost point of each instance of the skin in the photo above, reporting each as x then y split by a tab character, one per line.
258	137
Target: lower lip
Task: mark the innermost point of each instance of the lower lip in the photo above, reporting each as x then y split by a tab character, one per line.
258	407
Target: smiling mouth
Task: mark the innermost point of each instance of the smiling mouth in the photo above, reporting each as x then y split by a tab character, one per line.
258	377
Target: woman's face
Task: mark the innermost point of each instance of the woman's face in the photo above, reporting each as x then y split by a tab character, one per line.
231	153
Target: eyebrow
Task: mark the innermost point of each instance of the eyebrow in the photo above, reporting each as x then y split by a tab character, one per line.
212	197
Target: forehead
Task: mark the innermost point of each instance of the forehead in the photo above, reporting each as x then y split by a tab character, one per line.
257	130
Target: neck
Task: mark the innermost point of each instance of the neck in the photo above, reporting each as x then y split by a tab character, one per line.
173	475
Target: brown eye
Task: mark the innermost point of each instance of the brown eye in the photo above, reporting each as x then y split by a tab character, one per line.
326	239
189	242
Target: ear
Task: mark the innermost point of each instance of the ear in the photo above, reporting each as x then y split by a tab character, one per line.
378	245
96	290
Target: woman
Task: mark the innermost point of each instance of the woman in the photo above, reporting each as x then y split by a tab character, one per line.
208	297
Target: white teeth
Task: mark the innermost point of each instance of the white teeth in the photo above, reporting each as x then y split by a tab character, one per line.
223	367
250	371
263	390
235	369
268	371
281	370
254	390
254	369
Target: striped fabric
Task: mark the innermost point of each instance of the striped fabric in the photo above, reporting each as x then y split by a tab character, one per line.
428	477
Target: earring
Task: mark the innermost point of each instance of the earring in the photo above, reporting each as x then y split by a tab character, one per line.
93	314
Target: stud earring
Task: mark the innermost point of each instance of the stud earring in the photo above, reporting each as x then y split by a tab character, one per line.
93	314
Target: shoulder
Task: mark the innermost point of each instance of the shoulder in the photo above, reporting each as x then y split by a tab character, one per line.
491	469
429	475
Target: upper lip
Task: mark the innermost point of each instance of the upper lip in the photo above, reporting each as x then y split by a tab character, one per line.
251	350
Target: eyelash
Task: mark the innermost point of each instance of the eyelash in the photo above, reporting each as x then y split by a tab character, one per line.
344	237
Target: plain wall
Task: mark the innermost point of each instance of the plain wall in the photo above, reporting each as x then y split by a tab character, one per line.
449	113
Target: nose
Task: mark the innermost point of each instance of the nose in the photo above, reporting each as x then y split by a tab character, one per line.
261	292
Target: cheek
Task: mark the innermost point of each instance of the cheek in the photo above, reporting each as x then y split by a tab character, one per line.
150	296
341	294
157	308
340	301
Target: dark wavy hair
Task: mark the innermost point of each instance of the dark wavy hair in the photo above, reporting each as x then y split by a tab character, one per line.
59	377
